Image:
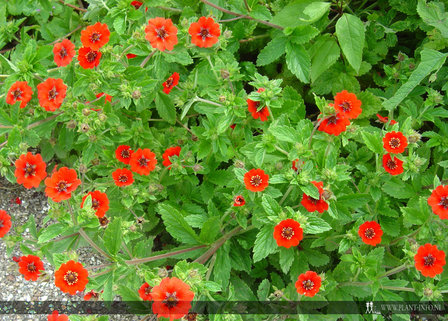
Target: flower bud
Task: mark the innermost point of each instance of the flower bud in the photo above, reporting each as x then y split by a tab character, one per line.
82	168
400	57
227	34
197	168
92	138
414	137
85	128
140	220
72	124
102	117
194	138
278	294
121	129
224	74
31	111
104	221
279	166
427	292
136	94
86	111
222	98
95	162
163	273
239	164
327	194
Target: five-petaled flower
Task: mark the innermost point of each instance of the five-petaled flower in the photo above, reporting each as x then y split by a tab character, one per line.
255	110
161	33
55	316
30	266
71	277
429	260
51	93
439	201
143	161
61	184
30	170
205	32
123	177
370	233
256	180
169	152
347	104
288	233
308	283
393	166
100	202
19	91
312	204
5	223
123	153
95	36
170	83
334	124
239	200
88	58
395	142
64	52
145	292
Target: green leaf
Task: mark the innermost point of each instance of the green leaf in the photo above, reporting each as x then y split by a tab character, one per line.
272	51
210	230
351	36
315	225
316	258
325	52
222	268
398	189
120	25
265	243
112	236
434	14
176	225
284	133
263	290
311	190
14	138
32	226
373	141
286	259
298	61
301	12
270	205
51	232
165	107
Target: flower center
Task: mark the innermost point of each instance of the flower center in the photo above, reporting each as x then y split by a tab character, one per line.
63	53
30	170
429	260
143	162
369	233
313	200
123	178
17	93
332	120
239	200
62	186
308	285
170	300
391	164
345	106
256	180
95	37
71	277
31	267
91	56
204	34
161	33
148	290
444	201
52	94
287	233
1	223
394	142
95	204
169	82
125	153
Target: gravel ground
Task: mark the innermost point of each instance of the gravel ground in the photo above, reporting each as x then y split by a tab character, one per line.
14	286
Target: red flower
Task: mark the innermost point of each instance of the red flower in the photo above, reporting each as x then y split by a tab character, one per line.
439	201
253	107
91	294
161	33
334	125
297	162
145	292
256	180
18	200
172	151
136	4
5	223
19	91
95	36
56	317
71	277
392	166
347	104
233	126
205	32
385	119
123	177
30	266
312	204
131	55
51	93
64	52
88	58
108	98
288	233
123	153
370	233
61	184
170	83
429	260
395	142
143	161
100	202
308	283
172	298
239	200
30	170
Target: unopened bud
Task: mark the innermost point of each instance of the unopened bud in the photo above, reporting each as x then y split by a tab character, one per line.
427	292
279	165
180	142
85	128
82	168
414	137
104	221
95	162
93	138
86	111
222	98
140	220
400	57
326	194
227	34
194	138
31	111
224	74
239	164
72	124
121	129
411	66
102	117
197	168
136	94
193	273
278	294
163	273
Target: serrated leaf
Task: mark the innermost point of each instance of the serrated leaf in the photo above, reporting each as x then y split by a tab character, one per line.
165	107
316	225
210	230
263	290
286	258
311	190
316	258
222	268
265	243
298	61
373	142
51	232
351	36
433	13
272	51
270	205
220	177
398	189
176	225
112	236
120	25
284	133
325	52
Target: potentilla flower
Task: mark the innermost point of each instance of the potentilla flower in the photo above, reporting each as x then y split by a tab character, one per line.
145	292
5	223
61	184
334	125
384	120
288	233
308	283
312	204
370	233
71	277
100	202
123	153
31	266
136	4
123	177
19	91
429	260
395	142
18	201
55	316
91	294
205	32
169	152
439	201
30	170
64	52
254	106
256	180
347	104
95	36
161	33
392	166
239	200
51	93
88	58
143	161
172	298
170	83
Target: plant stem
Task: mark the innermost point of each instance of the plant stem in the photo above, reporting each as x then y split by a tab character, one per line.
397	288
204	257
72	6
286	194
395	270
142	65
281	150
163	256
93	244
208	102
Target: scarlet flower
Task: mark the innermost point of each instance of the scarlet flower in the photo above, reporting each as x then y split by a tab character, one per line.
172	298
205	32
100	202
143	161
123	153
95	36
288	233
88	58
395	142
145	292
256	180
172	151
347	104
61	184
131	55
123	177
30	170
439	201
392	166
51	93
170	83
137	5
5	223
233	126
18	200
91	294
71	277
253	107
312	204
239	200
19	91
308	283
334	125
385	119
161	33
429	260
56	317
30	266
370	233
64	52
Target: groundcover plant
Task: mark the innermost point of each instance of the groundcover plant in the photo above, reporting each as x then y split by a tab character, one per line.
240	150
